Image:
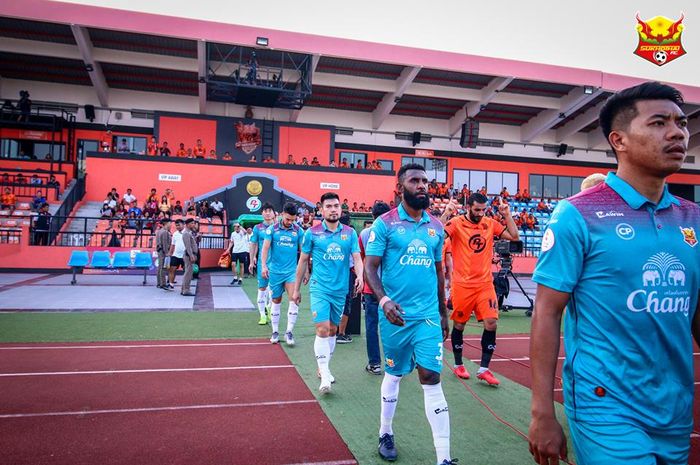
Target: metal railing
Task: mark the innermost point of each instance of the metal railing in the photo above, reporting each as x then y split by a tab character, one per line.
30	190
71	197
10	236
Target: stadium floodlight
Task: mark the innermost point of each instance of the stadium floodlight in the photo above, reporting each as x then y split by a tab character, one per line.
262	41
588	90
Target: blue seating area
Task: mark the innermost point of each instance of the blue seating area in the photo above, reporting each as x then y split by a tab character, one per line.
102	260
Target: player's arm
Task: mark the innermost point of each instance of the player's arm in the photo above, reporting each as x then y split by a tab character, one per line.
265	253
253	253
442	303
302	271
511	232
448	269
696	323
305	278
546	436
450	209
359	272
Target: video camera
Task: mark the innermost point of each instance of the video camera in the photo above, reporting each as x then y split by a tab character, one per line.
504	247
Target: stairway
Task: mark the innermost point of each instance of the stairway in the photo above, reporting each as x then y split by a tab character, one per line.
72	235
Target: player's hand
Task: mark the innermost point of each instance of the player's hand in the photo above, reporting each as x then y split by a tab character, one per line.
265	272
359	285
451	207
393	313
445	326
296	297
547	441
251	267
503	208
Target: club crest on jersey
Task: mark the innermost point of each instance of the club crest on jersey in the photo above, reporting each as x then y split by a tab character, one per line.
343	237
431	232
689	236
372	237
390	362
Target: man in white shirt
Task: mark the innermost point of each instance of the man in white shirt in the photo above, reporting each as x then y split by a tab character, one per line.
129	197
177	252
238	248
218	207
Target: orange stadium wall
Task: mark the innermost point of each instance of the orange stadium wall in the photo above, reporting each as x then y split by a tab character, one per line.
198	177
306	142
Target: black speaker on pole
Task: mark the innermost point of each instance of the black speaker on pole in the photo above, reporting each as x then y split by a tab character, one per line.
470	134
90	112
416	138
562	150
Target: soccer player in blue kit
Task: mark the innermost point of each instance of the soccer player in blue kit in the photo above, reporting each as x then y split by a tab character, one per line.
257	241
329	245
407	243
622	257
279	263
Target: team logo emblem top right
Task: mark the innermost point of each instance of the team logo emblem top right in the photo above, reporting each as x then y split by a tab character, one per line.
660	39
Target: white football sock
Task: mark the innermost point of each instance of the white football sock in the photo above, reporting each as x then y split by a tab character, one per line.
323	354
269	295
261	302
439	419
275	314
331	344
292	313
390	397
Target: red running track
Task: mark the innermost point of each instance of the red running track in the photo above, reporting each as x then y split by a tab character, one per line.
185	402
511	359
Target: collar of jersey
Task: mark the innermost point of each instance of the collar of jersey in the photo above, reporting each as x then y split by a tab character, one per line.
406	217
325	227
290	228
633	198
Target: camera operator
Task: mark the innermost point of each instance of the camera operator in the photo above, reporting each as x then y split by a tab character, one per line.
472	241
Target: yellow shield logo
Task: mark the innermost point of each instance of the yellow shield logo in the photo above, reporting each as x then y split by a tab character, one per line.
254	188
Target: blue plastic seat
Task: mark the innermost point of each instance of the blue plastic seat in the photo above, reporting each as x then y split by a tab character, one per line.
143	260
100	259
122	260
78	258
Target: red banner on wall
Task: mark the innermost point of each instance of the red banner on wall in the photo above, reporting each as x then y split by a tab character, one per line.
424	153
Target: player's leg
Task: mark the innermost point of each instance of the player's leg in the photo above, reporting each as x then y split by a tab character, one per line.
320	310
241	267
263	297
292	311
277	287
428	347
595	444
487	312
398	361
234	278
462	300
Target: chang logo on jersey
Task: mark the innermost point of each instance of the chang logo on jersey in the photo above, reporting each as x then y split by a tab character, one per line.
334	253
285	241
663	287
417	254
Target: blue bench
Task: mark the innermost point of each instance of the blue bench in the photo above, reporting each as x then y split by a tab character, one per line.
102	260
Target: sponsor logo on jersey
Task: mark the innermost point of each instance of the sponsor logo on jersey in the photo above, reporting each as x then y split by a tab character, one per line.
334	252
624	231
663	287
608	214
416	255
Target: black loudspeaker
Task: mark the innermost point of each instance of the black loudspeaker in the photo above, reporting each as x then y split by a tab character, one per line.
562	150
90	112
470	134
416	138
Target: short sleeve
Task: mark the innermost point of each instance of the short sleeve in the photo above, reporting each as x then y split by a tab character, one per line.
355	242
564	245
438	247
268	234
376	242
450	227
307	242
254	237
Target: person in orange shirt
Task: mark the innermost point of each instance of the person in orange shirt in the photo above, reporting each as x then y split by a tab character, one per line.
526	196
442	190
482	191
181	152
472	238
358	165
290	160
8	200
227	156
200	151
212	155
432	190
518	196
344	163
152	148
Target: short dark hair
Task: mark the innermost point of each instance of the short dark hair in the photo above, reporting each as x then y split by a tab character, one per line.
379	208
268	206
409	166
164	220
621	108
476	198
289	208
189	220
329	196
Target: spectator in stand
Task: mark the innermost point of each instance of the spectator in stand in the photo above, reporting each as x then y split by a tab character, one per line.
358	165
442	191
526	196
518	196
20	179
135	210
204	211
452	192
315	162
191	207
8	200
200	151
354	207
542	207
24	105
217	207
177	209
53	182
253	159
123	147
317	210
164	206
170	194
306	222
432	189
345	205
129	198
5	178
227	156
550	205
106	212
344	163
165	151
182	151
150	210
42	225
121	211
190	154
212	155
362	208
304	161
505	195
38	200
133	221
268	159
152	148
483	191
332	164
153	196
34	180
290	160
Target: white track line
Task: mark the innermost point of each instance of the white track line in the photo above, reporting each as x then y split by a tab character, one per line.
150	370
157	409
136	346
333	462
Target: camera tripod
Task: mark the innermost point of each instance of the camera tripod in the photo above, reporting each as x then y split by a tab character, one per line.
506	270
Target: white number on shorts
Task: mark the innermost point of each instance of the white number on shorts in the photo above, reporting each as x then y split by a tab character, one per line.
440	348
